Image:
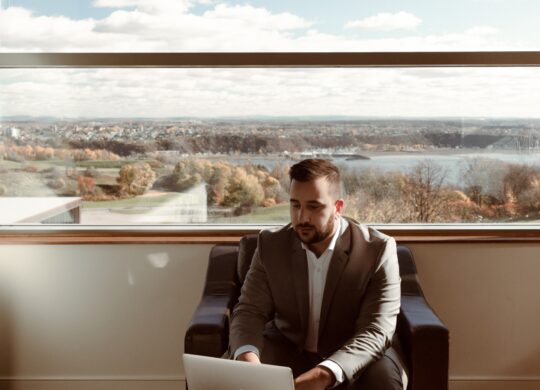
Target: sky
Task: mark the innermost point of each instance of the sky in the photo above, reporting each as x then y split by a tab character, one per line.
269	25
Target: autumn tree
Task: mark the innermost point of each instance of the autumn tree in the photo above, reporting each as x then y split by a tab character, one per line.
519	178
43	153
135	179
218	181
239	187
244	190
529	200
522	189
86	186
187	174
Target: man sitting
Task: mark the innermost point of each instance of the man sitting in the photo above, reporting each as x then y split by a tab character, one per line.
322	293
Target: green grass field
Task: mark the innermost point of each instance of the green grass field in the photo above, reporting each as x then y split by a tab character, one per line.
137	201
99	164
10	164
278	213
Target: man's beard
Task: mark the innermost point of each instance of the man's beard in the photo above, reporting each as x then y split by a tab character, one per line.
317	235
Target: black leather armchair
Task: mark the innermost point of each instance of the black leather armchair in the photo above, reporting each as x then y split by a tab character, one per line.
423	337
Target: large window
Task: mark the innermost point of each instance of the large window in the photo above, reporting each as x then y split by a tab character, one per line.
152	145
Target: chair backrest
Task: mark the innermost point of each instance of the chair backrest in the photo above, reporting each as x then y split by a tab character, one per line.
407	267
246	249
407	271
221	275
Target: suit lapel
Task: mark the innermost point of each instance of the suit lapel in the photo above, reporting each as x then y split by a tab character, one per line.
301	282
337	265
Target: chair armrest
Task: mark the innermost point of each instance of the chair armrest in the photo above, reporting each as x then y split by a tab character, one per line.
424	340
208	332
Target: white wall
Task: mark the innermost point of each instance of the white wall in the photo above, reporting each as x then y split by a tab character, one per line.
114	316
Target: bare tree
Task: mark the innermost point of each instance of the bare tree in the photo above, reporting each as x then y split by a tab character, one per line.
374	196
483	179
519	178
424	192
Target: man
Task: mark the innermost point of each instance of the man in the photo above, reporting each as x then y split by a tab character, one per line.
322	293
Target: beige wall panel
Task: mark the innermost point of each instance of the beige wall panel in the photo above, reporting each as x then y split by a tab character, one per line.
487	294
92	385
494	385
109	312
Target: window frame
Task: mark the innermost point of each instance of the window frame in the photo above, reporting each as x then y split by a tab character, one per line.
271	59
206	234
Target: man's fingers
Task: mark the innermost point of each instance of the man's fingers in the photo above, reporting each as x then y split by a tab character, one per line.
250	357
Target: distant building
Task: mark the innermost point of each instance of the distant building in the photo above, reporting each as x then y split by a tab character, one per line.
12	132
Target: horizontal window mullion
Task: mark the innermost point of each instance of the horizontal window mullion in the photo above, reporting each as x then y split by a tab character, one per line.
273	59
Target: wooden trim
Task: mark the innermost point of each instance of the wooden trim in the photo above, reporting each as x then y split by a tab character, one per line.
62	237
281	59
403	235
465	235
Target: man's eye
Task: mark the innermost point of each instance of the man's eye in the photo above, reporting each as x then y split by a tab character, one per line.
295	206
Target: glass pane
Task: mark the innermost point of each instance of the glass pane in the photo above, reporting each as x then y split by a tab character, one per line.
264	25
175	146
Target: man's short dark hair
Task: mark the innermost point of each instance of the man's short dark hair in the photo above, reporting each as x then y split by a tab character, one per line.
315	168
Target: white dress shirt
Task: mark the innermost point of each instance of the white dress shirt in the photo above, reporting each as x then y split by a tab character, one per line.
317	272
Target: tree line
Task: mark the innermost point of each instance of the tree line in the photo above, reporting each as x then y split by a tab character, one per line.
490	190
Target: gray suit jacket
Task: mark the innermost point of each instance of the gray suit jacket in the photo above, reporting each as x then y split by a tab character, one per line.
360	303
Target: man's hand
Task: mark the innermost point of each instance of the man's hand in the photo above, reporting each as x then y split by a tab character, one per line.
318	378
250	357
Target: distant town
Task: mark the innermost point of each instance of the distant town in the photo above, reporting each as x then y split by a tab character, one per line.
263	136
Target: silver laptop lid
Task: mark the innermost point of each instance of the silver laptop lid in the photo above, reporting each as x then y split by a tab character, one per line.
207	373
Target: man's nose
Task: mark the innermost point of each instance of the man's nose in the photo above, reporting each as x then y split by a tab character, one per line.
304	215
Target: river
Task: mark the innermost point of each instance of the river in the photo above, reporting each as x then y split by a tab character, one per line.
453	161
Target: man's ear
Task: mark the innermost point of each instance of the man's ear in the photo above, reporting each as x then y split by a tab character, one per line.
340	205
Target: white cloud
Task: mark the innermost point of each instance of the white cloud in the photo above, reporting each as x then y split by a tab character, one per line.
386	22
489	92
259	17
20	30
482	30
150	6
223	28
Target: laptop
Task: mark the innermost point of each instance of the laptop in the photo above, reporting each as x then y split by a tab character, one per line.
208	373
